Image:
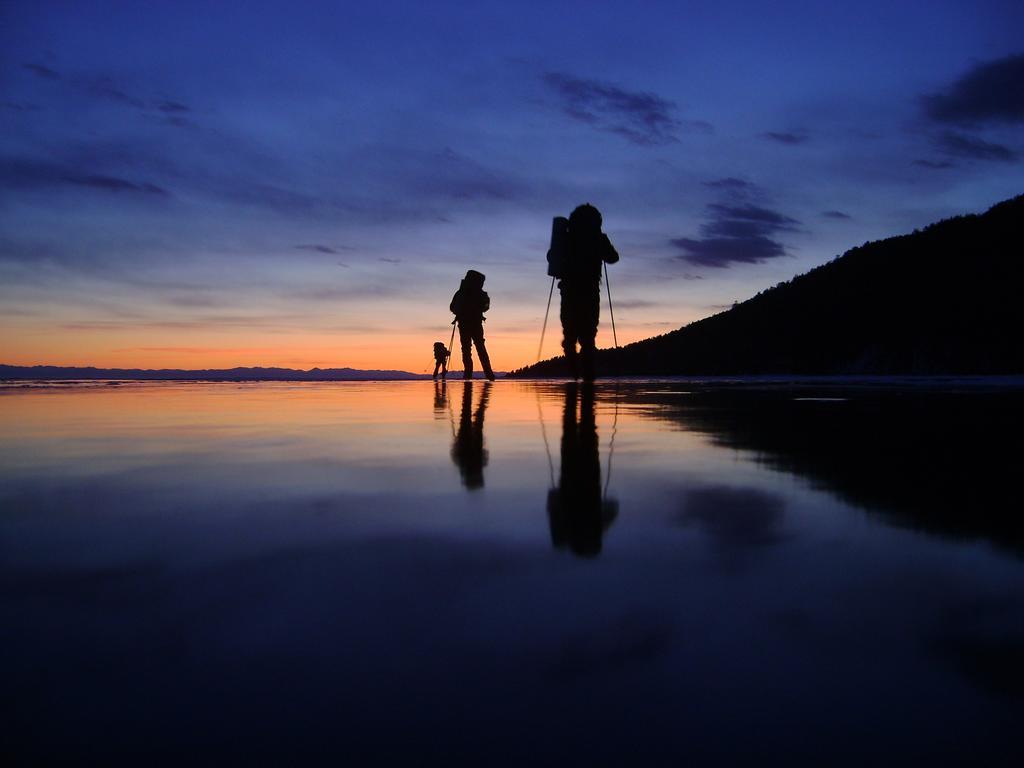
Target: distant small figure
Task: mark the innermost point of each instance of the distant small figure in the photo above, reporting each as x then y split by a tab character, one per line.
440	359
576	258
469	304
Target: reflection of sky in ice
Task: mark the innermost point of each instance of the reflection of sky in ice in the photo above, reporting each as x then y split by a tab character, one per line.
316	540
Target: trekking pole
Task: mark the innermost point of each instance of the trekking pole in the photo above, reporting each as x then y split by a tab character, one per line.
545	326
450	342
611	310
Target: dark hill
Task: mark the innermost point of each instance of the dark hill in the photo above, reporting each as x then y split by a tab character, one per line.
946	299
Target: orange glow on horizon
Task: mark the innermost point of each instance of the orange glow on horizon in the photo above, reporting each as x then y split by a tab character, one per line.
411	352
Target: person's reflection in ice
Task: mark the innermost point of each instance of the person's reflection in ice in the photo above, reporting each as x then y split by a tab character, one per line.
577	513
440	399
468	447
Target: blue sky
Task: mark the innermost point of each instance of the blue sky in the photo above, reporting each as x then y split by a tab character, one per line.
193	184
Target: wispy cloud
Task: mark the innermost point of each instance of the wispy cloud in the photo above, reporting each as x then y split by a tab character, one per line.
114	184
450	175
172	106
106	88
41	70
935	165
771	220
636	303
27	174
284	323
839	215
784	137
204	350
19	106
640	116
316	248
731	185
974	148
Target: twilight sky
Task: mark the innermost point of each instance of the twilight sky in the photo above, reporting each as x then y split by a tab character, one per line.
303	184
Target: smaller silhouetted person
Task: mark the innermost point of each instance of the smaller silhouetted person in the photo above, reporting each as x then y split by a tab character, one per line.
469	304
468	447
577	512
582	251
440	359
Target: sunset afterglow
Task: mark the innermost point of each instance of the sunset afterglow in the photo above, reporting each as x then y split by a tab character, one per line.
206	185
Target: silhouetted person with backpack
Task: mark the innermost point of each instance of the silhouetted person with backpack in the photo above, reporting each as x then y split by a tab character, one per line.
469	304
440	359
576	258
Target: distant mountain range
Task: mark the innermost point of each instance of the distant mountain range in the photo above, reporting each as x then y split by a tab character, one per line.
943	300
228	374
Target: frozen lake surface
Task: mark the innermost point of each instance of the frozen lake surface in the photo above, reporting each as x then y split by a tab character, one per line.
517	573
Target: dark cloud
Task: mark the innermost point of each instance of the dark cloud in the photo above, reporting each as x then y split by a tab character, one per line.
42	71
455	176
317	248
733	228
269	196
641	117
935	165
835	215
106	88
771	220
410	183
194	301
730	184
735	234
178	121
389	261
19	106
783	137
338	293
974	148
721	252
29	174
172	106
635	303
988	93
114	184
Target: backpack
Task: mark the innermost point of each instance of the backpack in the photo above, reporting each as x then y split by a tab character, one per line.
558	253
470	301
